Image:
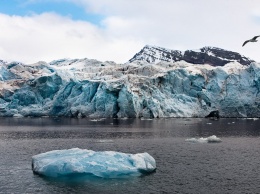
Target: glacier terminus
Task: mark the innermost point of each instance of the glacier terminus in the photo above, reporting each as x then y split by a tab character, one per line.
155	83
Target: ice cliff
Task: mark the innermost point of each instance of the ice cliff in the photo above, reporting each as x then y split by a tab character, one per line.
191	85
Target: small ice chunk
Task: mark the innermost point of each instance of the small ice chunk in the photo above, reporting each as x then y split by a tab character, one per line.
211	139
18	116
97	120
254	119
124	118
146	119
105	141
107	164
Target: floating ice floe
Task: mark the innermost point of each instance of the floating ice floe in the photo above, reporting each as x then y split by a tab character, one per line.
107	164
97	120
146	119
254	119
105	141
18	116
211	139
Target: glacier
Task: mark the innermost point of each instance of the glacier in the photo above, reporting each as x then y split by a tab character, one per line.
189	84
106	164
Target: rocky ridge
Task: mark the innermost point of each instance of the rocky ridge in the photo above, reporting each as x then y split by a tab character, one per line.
206	55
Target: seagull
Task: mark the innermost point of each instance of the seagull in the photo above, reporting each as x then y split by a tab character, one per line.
251	40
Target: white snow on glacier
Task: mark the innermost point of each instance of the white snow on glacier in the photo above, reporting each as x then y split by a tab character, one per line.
107	164
90	88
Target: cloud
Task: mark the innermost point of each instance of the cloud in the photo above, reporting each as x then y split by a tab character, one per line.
185	24
50	36
128	25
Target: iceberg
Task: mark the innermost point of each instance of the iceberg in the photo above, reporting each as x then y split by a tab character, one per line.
106	164
211	139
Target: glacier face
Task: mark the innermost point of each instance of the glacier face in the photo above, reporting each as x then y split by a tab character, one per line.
90	88
107	164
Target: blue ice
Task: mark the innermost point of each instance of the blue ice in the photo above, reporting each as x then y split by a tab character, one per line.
106	164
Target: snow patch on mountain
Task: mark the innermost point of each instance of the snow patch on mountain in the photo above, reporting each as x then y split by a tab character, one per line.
206	55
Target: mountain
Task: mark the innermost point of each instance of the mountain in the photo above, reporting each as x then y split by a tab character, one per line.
206	55
150	86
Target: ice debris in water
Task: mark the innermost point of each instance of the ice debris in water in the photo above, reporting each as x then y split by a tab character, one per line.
254	119
105	141
97	120
106	164
211	139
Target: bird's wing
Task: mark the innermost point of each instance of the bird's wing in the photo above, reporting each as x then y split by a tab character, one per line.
255	37
245	42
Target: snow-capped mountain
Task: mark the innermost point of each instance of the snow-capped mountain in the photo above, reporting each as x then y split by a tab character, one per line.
144	87
206	55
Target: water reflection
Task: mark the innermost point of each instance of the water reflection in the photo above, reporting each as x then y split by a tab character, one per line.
50	128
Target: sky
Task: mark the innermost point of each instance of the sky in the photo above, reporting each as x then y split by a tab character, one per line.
114	30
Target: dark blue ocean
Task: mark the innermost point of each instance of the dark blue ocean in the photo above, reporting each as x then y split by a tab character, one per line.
231	166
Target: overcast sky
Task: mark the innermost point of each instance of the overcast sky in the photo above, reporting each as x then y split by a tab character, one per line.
44	30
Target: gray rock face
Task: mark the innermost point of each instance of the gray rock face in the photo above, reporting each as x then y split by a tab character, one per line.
206	55
90	88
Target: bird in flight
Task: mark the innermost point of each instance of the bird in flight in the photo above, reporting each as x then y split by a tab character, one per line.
251	40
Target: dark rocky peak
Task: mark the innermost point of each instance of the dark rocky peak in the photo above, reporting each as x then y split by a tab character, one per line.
206	55
154	54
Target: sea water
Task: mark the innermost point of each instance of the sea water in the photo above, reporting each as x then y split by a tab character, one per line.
231	166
